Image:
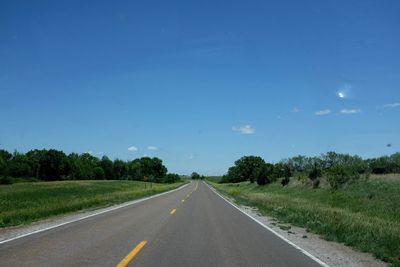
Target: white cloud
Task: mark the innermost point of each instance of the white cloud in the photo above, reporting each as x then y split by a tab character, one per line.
132	149
350	111
322	112
245	129
152	148
392	105
191	156
90	152
295	110
100	153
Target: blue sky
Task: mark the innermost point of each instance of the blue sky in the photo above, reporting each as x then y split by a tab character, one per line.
200	84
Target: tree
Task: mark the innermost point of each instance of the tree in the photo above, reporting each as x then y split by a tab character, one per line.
98	173
120	169
108	168
53	165
5	157
264	174
18	166
244	169
172	178
195	176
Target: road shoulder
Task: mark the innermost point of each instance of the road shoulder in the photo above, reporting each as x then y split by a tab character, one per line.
331	253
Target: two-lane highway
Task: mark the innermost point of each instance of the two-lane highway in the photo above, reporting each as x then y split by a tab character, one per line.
192	226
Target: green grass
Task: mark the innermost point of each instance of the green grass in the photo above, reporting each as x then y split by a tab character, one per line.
365	215
23	203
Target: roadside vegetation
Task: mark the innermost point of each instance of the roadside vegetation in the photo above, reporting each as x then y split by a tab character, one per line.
341	197
46	183
55	165
23	203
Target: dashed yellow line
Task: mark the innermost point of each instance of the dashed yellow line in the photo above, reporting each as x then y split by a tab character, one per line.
172	211
131	254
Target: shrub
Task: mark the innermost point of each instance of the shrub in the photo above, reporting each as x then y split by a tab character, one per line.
339	175
315	183
6	180
285	181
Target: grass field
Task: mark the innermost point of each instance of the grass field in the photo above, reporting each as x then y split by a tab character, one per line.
365	215
23	203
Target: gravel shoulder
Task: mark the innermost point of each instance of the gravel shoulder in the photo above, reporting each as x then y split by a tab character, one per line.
332	253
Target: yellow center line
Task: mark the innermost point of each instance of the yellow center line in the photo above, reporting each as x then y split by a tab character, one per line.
172	211
131	254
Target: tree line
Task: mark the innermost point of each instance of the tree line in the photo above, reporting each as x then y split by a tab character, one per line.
52	165
338	169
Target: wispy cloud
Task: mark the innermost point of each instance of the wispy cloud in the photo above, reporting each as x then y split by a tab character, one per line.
245	129
323	112
132	149
350	111
152	148
191	156
295	110
392	105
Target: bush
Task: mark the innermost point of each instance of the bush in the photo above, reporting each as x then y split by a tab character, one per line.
172	178
285	181
6	180
315	183
339	175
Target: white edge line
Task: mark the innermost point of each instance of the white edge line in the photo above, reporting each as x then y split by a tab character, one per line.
270	229
119	206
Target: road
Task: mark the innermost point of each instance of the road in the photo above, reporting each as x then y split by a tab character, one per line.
192	226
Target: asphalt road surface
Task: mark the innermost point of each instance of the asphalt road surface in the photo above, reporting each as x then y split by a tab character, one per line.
192	226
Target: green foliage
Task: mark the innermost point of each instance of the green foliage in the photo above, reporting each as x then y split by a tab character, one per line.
264	174
172	178
23	203
195	176
246	168
315	173
5	180
52	165
285	181
340	175
363	215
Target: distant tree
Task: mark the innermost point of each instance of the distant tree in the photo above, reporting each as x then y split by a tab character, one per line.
172	178
108	168
245	168
264	174
195	176
53	165
19	166
120	169
98	173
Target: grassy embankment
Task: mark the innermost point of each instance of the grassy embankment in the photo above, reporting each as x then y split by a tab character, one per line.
23	203
364	215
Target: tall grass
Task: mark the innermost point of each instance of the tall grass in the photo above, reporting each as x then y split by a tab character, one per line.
24	203
364	215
